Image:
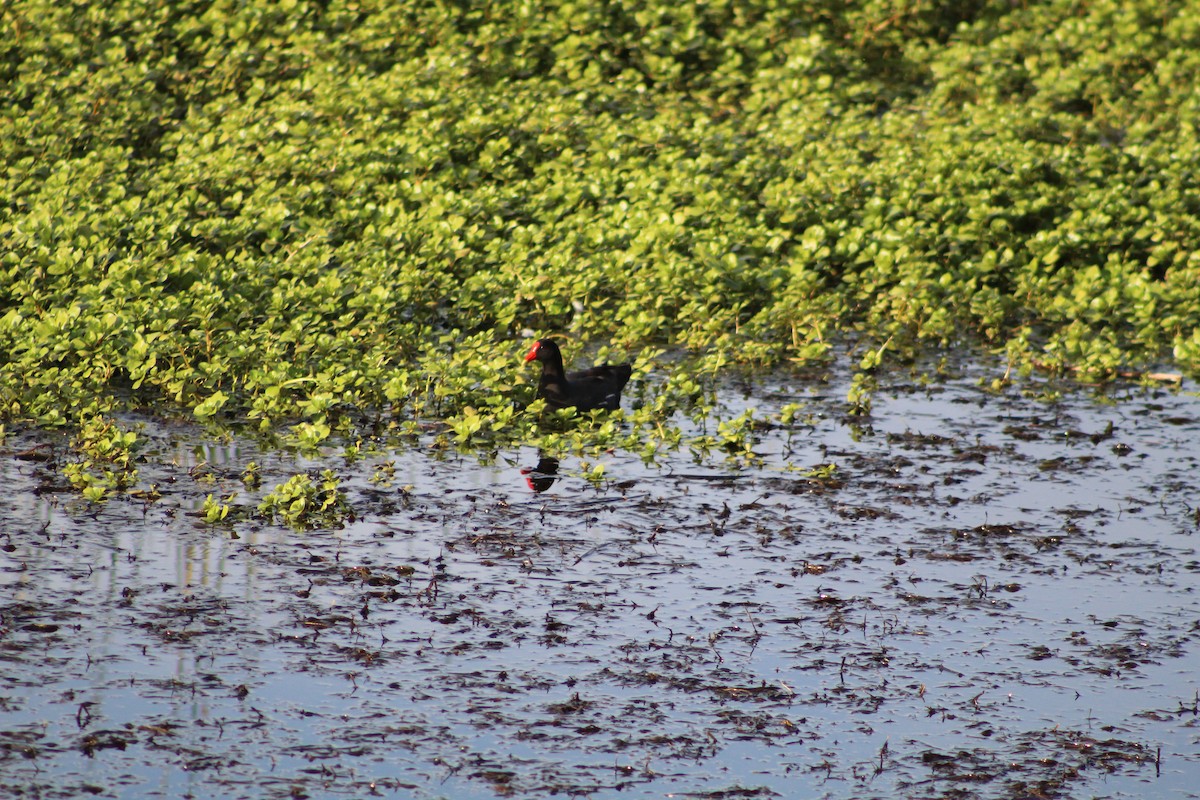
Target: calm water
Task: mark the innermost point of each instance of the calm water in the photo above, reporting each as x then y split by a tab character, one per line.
989	595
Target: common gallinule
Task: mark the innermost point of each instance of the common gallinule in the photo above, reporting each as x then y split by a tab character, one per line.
598	387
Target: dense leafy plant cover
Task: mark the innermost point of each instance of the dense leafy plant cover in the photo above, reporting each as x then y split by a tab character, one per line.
298	212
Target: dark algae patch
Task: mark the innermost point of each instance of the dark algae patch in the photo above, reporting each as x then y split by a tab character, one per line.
903	605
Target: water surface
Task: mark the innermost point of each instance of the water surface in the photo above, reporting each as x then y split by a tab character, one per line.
990	595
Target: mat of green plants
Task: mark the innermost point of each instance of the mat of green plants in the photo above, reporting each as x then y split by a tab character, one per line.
900	499
299	210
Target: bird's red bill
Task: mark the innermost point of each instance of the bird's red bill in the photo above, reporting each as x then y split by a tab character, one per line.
533	352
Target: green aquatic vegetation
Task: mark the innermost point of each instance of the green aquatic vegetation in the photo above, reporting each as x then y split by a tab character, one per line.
862	388
252	475
328	217
592	473
308	436
822	472
736	435
385	474
789	412
104	461
304	502
215	511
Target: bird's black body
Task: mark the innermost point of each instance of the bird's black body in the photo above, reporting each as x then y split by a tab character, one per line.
598	387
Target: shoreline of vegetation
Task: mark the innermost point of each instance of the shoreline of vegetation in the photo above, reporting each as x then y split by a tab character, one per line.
295	212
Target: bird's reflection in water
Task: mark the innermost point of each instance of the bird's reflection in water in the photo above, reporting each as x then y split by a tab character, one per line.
543	476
